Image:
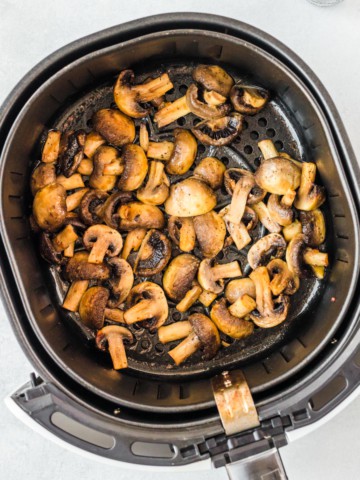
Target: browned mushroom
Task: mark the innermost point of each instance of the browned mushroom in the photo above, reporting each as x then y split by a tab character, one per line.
138	215
154	254
66	237
92	142
291	230
73	200
190	297
72	182
51	147
184	152
156	189
146	303
182	232
71	152
206	298
248	99
313	227
309	196
112	338
272	245
47	250
238	232
133	241
144	136
78	268
102	240
92	307
229	324
136	167
239	287
301	260
121	281
201	108
92	205
44	174
231	178
49	207
171	112
160	150
211	276
279	213
266	218
239	198
213	78
114	126
103	156
218	132
210	170
282	279
179	276
190	197
74	295
210	233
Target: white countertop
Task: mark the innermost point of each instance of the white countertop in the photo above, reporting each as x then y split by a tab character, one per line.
328	39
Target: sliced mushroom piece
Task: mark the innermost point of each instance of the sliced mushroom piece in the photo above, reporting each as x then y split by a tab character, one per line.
182	232
219	132
238	232
133	242
49	207
239	198
112	338
74	295
156	189
70	183
179	276
272	245
147	303
47	250
104	155
160	150
44	174
154	254
269	312
239	287
78	268
313	227
92	205
248	99
227	323
121	281
136	167
213	77
266	218
92	307
282	279
203	109
66	237
210	233
231	178
309	196
92	142
114	126
172	112
279	213
190	297
138	215
295	256
211	170
73	201
51	147
71	152
184	153
204	336
190	197
102	240
290	231
211	276
108	210
128	96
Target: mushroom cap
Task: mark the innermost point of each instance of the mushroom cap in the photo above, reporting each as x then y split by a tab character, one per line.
210	170
203	109
213	77
182	232
233	175
239	94
283	280
274	318
103	156
232	326
125	95
89	205
295	256
135	170
218	132
114	126
136	214
313	227
154	254
71	151
190	197
268	246
206	279
43	175
78	268
309	196
111	206
278	175
49	207
207	333
103	334
184	153
121	281
47	250
156	189
279	213
210	232
239	287
92	307
179	276
147	303
106	235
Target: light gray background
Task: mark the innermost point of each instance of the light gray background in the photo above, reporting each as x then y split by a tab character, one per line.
328	39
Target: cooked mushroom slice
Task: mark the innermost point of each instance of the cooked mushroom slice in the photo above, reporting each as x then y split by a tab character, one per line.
203	109
190	197
242	306
121	281
210	233
279	213
92	307
219	132
86	167
313	227
182	232
156	189
147	303
239	198
92	206
269	312
314	257
204	336
112	338
47	250
184	153
210	170
75	181
133	242
172	112
114	126
74	200
239	287
103	157
266	218
213	77
211	277
295	256
102	240
78	268
143	136
213	98
282	279
128	96
92	142
71	152
154	254
51	147
136	166
272	245
248	99
250	218
229	324
74	295
66	237
309	196
49	207
233	175
44	174
69	250
288	199
174	331
160	150
136	214
206	298
290	231
190	297
238	232
179	276
109	210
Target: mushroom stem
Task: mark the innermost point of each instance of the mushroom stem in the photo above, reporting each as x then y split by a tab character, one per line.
70	183
160	150
86	167
186	348
74	294
139	312
133	241
265	218
319	271
51	148
206	298
175	331
114	314
116	167
268	149
153	88
238	202
242	306
288	199
226	270
117	351
69	251
74	200
239	233
65	238
251	97
144	137
172	112
190	298
315	257
291	230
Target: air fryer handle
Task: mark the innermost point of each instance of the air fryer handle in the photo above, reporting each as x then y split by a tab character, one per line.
265	465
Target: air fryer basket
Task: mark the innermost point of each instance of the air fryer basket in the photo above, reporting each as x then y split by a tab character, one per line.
66	91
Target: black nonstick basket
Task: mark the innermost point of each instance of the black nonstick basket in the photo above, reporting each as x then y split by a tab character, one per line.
298	371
